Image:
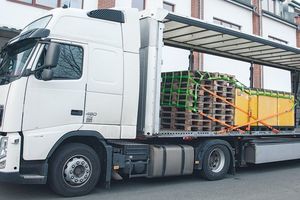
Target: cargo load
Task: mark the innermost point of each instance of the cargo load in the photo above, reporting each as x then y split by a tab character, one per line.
205	101
273	108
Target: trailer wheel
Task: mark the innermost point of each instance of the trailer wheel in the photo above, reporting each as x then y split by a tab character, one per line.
216	162
74	170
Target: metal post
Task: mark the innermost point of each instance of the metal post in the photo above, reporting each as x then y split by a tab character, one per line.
191	60
251	76
295	82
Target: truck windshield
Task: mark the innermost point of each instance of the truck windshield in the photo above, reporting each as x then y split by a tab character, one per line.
13	60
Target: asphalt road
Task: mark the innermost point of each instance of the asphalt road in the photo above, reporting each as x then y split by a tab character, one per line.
278	181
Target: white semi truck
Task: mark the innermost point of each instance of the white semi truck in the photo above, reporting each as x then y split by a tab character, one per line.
80	100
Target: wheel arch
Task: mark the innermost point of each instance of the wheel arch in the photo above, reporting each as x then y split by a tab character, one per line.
75	135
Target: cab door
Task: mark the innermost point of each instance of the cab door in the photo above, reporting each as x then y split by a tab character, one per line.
55	107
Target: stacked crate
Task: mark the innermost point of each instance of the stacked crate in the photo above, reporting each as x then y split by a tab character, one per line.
220	110
179	102
182	100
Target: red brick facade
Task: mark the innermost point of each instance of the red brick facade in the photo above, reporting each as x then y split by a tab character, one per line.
257	69
195	8
195	12
106	3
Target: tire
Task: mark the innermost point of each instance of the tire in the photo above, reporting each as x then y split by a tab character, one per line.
74	170
216	162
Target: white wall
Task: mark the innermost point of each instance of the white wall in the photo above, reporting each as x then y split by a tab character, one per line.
150	4
234	14
182	7
228	12
277	79
15	15
123	3
90	4
173	58
153	4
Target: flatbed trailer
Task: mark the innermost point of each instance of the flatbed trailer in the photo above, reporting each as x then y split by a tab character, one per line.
196	35
84	105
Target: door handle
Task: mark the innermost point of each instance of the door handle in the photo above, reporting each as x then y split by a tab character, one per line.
76	112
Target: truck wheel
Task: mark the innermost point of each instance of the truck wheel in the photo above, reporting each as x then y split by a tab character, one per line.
74	170
216	162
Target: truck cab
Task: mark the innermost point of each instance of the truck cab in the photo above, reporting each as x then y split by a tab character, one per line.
68	71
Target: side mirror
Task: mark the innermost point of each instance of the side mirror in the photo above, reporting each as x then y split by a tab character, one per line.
52	55
47	74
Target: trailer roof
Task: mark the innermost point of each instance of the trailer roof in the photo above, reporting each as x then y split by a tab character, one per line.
197	35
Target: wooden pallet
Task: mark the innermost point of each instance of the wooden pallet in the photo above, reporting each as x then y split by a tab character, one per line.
175	118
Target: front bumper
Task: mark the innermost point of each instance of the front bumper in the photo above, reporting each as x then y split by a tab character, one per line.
13	169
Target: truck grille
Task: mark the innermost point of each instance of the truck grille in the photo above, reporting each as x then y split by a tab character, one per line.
1	114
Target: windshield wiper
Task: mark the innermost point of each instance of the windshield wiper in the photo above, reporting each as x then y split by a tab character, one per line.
11	76
8	76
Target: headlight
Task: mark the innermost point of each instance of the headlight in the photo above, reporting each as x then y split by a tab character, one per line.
3	147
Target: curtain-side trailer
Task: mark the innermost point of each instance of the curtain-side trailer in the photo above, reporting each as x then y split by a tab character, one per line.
80	101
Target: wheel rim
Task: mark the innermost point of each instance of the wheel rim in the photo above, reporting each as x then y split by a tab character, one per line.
77	171
216	160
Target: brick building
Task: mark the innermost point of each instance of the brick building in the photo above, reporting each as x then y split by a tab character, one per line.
273	19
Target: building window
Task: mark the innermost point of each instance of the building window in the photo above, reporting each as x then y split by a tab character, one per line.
47	3
169	6
297	11
227	24
52	3
273	6
139	4
269	5
278	40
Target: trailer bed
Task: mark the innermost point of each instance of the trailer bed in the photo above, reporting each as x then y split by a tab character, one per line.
171	133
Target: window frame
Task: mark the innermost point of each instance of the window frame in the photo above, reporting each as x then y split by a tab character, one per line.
36	5
61	43
169	4
271	6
